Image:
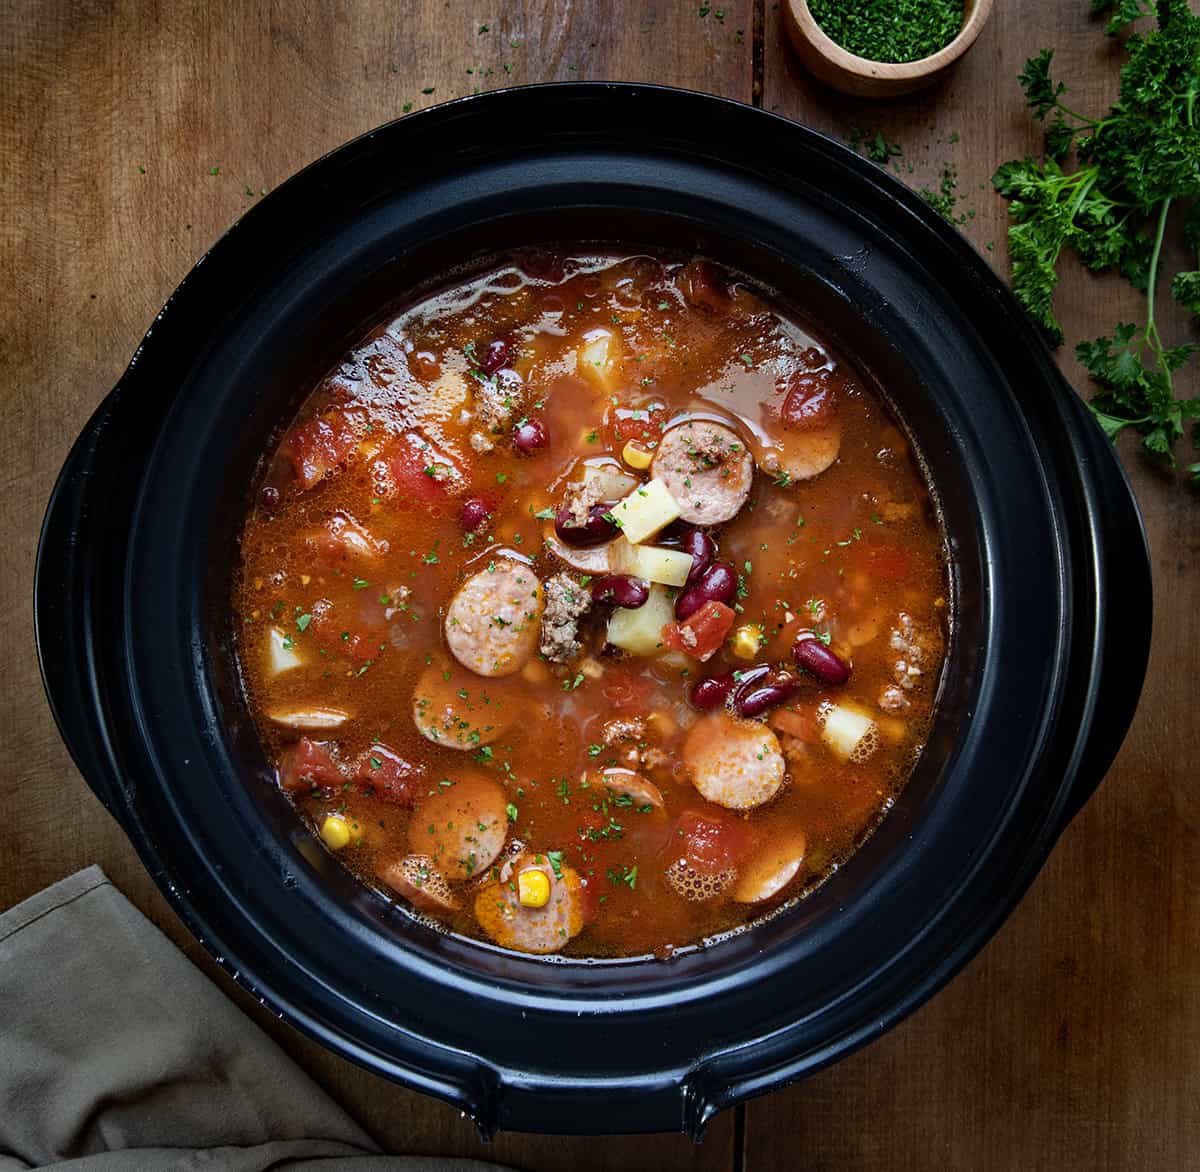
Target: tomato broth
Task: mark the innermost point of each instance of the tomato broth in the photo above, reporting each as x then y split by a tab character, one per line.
593	605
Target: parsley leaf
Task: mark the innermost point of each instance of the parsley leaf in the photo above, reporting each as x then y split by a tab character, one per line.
1112	211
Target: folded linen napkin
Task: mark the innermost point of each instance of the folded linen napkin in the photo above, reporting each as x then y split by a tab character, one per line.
116	1054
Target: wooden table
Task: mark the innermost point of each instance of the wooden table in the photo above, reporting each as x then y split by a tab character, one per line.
1073	1041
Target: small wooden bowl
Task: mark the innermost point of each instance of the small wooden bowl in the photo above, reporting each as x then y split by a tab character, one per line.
862	78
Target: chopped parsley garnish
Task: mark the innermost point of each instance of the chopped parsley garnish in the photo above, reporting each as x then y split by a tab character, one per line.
624	874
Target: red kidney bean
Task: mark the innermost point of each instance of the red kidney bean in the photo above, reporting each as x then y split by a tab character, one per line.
621	590
474	515
761	689
269	498
717	584
530	437
703	549
712	692
703	285
595	529
495	355
815	658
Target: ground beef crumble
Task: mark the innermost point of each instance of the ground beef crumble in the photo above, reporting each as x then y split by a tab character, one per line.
566	603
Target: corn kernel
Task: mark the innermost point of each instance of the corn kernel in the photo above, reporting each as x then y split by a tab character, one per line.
636	456
746	642
533	888
335	832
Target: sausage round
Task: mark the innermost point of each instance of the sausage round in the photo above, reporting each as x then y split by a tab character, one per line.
452	709
532	929
770	869
461	827
707	469
591	559
625	783
493	622
310	719
734	763
806	454
417	878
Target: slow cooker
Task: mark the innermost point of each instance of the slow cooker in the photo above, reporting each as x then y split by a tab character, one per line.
1045	544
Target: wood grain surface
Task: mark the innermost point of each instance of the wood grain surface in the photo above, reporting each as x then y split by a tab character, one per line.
1073	1041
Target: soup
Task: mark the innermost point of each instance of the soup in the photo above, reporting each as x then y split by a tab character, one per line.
593	605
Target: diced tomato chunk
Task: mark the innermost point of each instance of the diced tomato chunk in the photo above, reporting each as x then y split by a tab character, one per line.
390	775
410	470
711	842
702	633
307	764
643	424
318	447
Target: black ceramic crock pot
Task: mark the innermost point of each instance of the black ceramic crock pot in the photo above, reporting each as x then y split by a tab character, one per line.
1039	686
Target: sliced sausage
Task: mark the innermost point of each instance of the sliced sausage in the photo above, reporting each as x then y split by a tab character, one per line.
707	469
417	878
811	419
493	622
591	559
452	708
501	915
314	719
770	869
805	454
631	789
734	763
461	826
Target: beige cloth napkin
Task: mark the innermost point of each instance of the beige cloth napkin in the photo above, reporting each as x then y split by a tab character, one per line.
117	1054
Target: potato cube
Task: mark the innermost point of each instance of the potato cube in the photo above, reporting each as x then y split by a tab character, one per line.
283	655
849	732
598	358
645	511
668	566
640	631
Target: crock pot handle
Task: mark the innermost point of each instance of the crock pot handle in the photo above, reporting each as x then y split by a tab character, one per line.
63	599
632	1104
1121	559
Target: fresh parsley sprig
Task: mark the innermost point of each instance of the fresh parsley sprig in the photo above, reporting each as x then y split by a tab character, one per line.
1133	166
